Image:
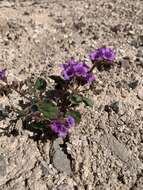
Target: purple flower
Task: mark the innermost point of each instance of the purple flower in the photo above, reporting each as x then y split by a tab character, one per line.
74	69
2	74
81	69
70	121
70	63
68	73
68	69
90	78
59	128
103	54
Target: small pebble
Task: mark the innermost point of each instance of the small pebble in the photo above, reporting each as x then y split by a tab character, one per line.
115	106
61	162
2	166
140	94
123	93
133	84
64	187
141	61
140	53
141	156
116	28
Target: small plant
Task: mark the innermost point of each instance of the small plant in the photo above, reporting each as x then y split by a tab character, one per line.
57	110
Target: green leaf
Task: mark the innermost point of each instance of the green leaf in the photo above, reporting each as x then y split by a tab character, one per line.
75	114
88	102
48	108
76	99
38	125
40	84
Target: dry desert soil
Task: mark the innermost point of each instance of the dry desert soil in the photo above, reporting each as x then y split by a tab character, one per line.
105	151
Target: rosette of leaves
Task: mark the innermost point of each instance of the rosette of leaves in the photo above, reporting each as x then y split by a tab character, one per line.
77	99
42	110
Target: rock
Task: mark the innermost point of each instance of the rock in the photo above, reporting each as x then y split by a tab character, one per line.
133	84
115	107
124	93
44	168
56	143
139	57
107	108
140	40
2	166
64	187
141	156
140	94
134	43
19	126
116	28
141	61
3	112
61	162
140	53
121	151
116	147
59	157
131	32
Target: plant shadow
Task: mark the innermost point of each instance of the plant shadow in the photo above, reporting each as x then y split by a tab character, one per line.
103	67
39	134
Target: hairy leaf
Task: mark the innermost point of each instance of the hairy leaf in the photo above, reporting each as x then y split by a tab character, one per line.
76	99
48	108
38	125
88	102
40	84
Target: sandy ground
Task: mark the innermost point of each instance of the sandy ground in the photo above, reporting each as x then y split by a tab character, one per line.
105	152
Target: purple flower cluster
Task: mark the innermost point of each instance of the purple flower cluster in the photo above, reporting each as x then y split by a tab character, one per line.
2	74
74	68
103	54
62	128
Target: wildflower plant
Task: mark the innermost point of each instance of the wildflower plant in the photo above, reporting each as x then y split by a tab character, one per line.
57	110
102	58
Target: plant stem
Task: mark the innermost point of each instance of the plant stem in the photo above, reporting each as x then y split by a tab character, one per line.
21	94
85	90
92	68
